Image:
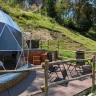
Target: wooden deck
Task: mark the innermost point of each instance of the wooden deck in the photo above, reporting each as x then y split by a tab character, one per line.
36	79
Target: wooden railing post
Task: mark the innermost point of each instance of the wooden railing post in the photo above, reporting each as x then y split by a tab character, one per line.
41	44
58	46
30	41
48	45
46	77
93	74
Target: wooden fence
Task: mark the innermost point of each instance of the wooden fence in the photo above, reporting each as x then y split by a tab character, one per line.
45	67
57	47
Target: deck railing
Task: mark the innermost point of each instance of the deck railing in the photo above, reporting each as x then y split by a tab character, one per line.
45	67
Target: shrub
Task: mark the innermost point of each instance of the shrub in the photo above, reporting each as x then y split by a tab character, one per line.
68	22
83	25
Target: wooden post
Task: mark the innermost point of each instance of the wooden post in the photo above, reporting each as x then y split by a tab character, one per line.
93	75
30	40
41	44
58	47
48	45
46	77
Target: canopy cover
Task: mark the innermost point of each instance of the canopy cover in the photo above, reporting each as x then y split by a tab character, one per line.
10	34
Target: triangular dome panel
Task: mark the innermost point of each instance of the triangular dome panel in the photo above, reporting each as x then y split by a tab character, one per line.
21	61
17	35
1	27
2	19
5	18
7	41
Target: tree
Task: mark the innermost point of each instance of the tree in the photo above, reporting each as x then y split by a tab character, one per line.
50	8
62	9
83	15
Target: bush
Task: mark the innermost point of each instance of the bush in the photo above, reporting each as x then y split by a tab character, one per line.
94	27
83	25
69	23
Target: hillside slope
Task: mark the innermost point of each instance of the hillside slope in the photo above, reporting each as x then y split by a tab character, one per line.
29	21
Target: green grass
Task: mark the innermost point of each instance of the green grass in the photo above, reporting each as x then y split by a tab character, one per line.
32	21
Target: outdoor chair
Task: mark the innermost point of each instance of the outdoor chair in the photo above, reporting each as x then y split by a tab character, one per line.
83	67
71	67
55	69
52	69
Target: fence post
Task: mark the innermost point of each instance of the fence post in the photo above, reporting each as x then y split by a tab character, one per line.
46	77
41	44
30	41
48	45
93	75
58	46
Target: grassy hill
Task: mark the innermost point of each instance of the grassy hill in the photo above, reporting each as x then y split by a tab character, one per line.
71	40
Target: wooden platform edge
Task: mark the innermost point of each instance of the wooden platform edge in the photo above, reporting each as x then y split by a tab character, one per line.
13	82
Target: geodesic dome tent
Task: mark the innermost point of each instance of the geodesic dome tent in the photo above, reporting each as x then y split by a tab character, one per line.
11	41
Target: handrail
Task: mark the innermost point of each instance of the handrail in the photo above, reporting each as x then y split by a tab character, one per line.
21	70
76	51
49	63
65	61
62	81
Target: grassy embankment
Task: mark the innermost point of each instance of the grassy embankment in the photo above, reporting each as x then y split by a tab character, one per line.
70	40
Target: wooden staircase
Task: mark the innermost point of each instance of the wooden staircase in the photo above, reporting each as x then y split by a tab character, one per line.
36	60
